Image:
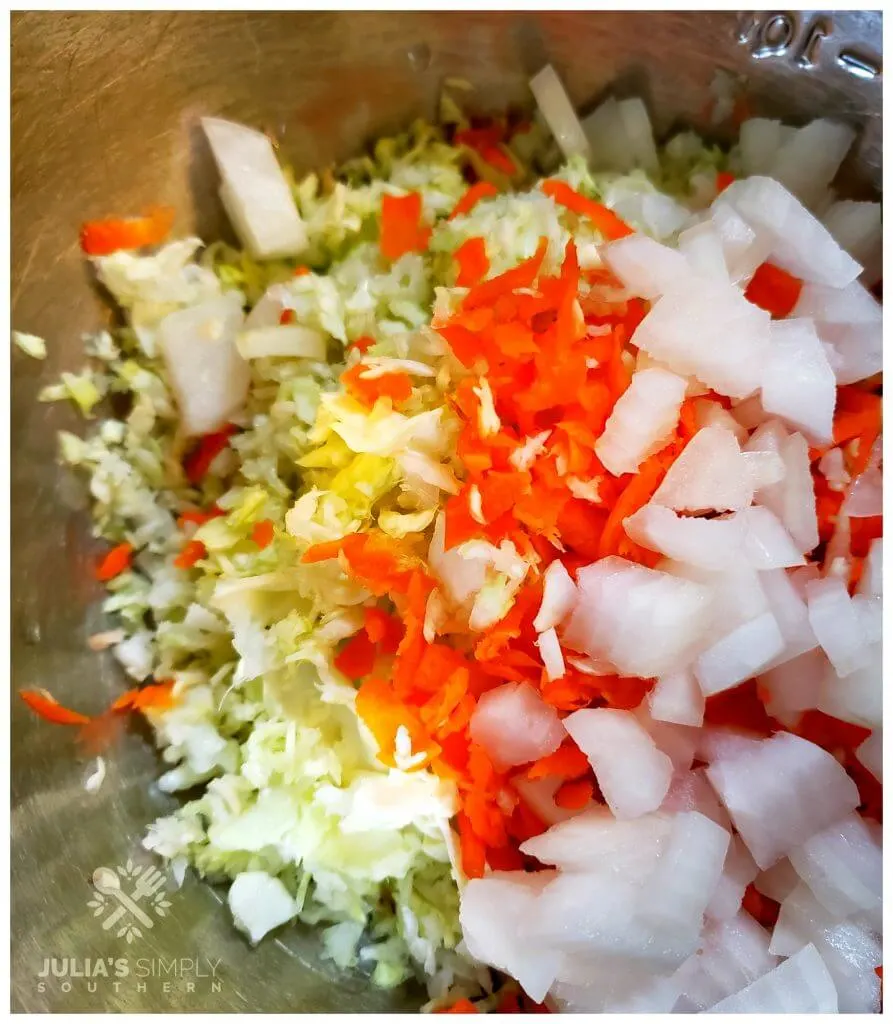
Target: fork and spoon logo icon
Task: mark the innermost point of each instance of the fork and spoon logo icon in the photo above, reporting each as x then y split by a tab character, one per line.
118	894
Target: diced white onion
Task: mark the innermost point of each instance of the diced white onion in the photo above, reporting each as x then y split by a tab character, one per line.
208	376
515	725
798	382
254	190
800	243
550	652
641	421
642	621
707	329
559	597
677	698
644	266
708	475
557	109
800	984
780	792
739	655
632	773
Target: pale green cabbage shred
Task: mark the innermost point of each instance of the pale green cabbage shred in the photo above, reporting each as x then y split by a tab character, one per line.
263	723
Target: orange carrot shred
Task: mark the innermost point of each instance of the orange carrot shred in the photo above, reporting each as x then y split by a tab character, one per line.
323	551
193	551
115	562
396	386
636	493
287	316
567	762
574	794
157	696
480	190
51	710
473	851
262	533
605	220
383	629
521	276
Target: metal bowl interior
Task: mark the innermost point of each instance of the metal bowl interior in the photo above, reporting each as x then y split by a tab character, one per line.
104	118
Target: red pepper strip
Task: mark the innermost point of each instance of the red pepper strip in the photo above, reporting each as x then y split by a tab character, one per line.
198	516
115	562
102	237
471	258
723	180
774	290
401	230
198	461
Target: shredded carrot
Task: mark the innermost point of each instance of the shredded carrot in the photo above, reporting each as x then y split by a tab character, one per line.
567	762
774	290
471	258
480	190
287	316
323	551
154	696
198	461
262	533
382	629
51	710
521	276
193	551
401	228
637	492
396	386
102	237
574	795
115	562
606	221
302	271
472	849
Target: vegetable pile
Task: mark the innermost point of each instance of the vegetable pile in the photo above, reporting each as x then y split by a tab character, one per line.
497	548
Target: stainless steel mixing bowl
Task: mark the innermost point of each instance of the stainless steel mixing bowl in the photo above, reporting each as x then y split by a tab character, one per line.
105	109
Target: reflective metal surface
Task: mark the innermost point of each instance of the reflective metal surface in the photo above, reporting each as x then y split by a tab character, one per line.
105	109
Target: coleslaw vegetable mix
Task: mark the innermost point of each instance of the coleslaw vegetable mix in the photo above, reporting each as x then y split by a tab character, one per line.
476	526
